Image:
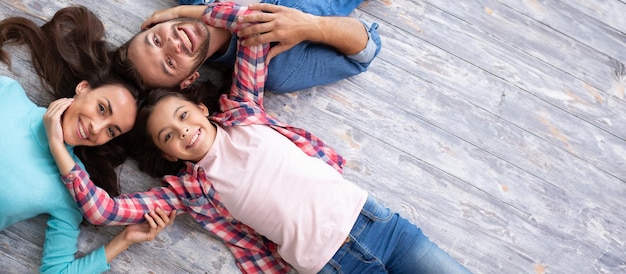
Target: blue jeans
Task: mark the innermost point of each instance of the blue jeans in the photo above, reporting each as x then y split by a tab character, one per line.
309	64
383	242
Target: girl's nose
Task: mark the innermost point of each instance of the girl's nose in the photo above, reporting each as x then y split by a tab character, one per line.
184	133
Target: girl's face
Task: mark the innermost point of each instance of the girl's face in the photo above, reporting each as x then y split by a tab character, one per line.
98	115
180	129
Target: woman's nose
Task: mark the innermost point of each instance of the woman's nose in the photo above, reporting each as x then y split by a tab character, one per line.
96	126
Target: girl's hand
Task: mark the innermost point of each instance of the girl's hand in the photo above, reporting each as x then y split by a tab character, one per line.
159	16
156	221
52	120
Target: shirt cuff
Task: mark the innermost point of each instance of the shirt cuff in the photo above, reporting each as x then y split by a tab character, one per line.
76	172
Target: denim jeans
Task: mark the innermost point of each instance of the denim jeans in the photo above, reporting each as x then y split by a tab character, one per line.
309	64
383	242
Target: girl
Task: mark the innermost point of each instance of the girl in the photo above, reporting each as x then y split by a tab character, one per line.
273	193
98	112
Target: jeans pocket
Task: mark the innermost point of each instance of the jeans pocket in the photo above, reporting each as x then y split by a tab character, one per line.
356	258
375	211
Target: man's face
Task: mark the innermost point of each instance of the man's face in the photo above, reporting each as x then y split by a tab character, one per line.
170	53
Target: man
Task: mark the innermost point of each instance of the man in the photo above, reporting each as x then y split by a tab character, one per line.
313	44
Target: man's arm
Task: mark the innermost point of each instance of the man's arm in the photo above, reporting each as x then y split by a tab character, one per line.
288	27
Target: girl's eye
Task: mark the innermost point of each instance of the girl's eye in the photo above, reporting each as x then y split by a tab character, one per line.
167	137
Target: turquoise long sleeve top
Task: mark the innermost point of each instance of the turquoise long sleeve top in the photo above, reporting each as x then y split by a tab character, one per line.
31	184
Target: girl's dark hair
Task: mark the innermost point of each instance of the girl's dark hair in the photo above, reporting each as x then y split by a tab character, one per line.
141	146
71	47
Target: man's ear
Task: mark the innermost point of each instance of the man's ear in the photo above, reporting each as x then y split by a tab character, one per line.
82	87
189	80
169	157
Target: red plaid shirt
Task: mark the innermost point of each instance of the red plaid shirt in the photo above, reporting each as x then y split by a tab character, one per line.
191	191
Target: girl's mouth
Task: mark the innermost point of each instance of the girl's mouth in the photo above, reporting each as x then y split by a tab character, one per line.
194	139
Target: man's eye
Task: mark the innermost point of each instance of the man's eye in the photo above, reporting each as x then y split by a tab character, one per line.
170	62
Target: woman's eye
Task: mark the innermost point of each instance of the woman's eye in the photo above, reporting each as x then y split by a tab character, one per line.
111	132
183	115
156	41
101	108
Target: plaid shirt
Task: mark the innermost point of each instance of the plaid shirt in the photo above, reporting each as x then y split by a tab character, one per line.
190	191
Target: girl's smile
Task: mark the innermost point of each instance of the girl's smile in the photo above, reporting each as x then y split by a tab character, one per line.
180	129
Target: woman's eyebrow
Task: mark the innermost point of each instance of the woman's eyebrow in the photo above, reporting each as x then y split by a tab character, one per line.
109	107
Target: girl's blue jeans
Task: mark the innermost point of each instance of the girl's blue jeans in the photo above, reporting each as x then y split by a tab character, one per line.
383	242
309	64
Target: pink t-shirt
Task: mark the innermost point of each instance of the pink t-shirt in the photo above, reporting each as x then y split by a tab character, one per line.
297	201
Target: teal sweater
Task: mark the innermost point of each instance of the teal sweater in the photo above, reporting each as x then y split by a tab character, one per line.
31	184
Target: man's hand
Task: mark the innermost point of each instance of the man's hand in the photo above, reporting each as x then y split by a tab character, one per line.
285	26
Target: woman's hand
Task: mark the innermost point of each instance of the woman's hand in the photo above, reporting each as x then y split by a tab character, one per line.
156	221
159	16
52	120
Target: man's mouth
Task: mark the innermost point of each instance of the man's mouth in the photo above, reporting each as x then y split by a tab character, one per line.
186	40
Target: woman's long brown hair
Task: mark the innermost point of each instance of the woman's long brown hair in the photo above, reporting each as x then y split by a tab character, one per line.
71	47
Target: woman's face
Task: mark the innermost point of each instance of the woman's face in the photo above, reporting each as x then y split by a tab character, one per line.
180	129
98	115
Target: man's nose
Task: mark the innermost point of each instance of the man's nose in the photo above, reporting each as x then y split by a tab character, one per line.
173	44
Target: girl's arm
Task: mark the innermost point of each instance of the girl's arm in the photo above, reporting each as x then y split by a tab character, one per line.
95	203
250	71
189	11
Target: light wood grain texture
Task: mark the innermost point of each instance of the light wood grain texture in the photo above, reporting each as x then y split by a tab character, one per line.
497	126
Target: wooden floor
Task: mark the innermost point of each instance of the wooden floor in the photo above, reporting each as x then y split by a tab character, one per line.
498	126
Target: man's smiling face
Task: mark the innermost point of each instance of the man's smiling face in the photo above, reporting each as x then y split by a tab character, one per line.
170	53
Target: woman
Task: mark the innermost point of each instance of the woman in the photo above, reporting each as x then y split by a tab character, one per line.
273	193
102	108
